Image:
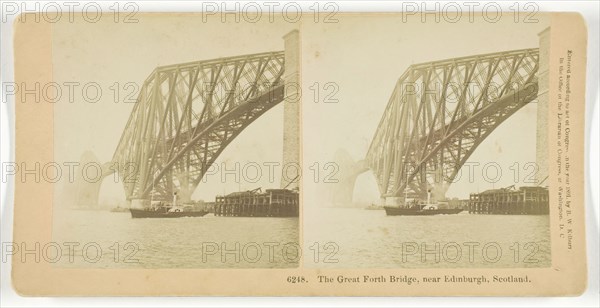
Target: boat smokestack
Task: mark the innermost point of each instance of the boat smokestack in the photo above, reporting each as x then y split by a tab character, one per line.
429	196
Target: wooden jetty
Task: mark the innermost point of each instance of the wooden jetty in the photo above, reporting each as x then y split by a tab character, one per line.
532	200
255	203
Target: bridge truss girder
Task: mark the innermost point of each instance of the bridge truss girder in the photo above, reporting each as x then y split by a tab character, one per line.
185	116
438	114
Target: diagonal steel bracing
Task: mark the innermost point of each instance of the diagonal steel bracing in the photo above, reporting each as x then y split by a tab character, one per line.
438	114
185	116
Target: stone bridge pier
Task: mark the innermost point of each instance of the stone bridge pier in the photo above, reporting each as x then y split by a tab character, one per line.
290	177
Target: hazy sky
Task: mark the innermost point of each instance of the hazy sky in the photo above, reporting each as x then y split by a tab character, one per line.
107	53
363	55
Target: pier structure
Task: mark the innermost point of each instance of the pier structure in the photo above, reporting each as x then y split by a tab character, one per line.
255	203
526	200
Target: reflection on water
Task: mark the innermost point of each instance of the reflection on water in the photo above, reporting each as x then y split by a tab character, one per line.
201	242
369	238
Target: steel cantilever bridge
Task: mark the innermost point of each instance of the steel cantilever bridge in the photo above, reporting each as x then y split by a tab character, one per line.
439	112
185	116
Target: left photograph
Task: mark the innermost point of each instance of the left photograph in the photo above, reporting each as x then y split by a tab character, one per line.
181	136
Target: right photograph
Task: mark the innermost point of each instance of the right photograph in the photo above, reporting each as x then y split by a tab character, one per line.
426	142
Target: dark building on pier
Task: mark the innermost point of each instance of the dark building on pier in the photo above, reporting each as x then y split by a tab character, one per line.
255	203
526	200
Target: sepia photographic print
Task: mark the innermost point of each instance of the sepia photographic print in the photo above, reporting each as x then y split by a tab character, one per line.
440	145
201	133
329	154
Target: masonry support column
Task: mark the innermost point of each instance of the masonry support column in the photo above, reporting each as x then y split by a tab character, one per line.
542	106
291	112
382	201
